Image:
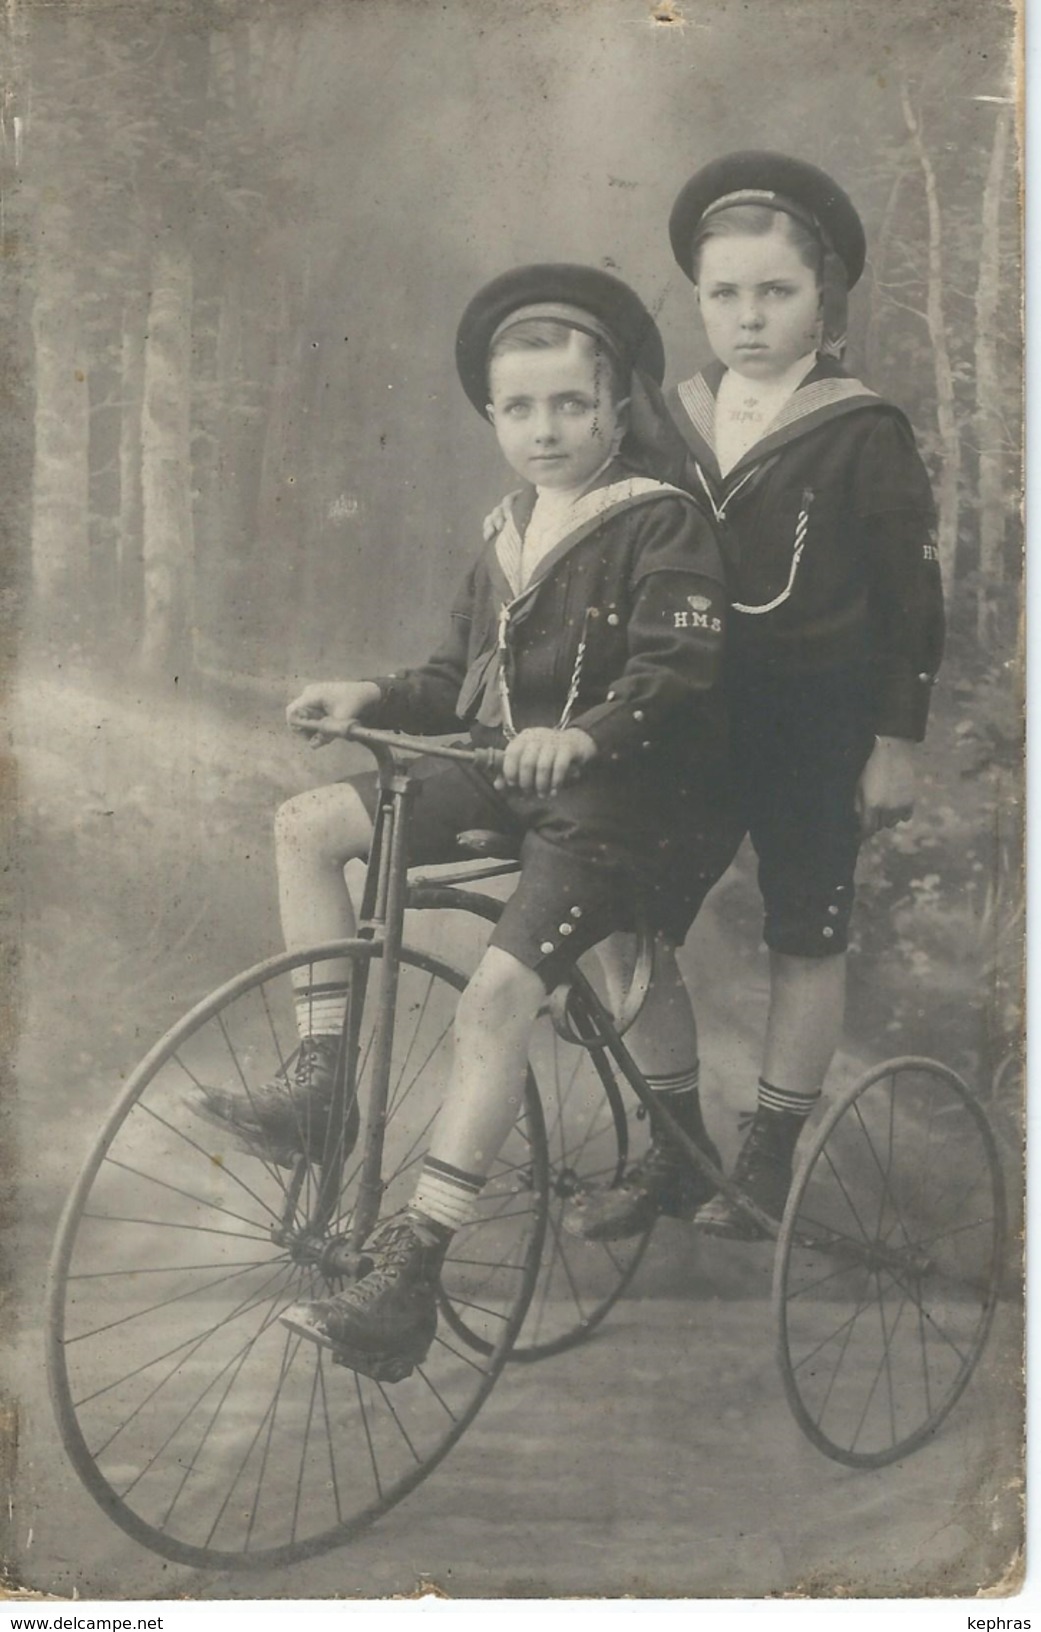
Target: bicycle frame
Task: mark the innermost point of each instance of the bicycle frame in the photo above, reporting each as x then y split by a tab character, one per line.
381	920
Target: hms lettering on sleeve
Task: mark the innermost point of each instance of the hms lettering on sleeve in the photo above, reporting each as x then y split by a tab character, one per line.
696	619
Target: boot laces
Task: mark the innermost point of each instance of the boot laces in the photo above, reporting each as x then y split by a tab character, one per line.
396	1248
759	1154
313	1054
658	1162
301	1091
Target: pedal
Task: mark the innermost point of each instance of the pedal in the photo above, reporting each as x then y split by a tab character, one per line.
260	1147
386	1368
736	1227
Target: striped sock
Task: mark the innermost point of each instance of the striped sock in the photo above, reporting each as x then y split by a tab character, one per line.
446	1194
320	1009
677	1082
782	1099
678	1092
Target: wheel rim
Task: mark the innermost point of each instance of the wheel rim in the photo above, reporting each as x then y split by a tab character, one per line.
204	1428
888	1263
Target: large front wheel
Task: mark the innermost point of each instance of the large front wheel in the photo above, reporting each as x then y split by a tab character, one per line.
202	1426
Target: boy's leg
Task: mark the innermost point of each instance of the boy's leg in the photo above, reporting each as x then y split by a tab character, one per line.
686	832
804	1027
492	1027
663	1041
564	904
316	834
803	760
393	1309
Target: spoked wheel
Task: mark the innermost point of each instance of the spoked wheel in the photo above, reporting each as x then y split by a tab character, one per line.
592	1136
888	1262
206	1429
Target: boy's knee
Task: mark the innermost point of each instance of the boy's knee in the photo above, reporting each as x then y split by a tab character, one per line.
295	822
502	992
326	822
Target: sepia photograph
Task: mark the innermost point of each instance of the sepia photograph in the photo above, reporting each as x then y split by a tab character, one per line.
462	459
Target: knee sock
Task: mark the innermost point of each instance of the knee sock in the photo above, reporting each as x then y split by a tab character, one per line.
678	1093
785	1111
783	1099
320	1008
446	1196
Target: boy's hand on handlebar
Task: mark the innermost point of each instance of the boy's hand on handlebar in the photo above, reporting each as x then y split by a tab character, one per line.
541	760
325	709
885	792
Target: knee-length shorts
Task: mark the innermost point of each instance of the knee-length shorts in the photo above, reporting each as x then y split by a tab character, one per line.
606	853
800	743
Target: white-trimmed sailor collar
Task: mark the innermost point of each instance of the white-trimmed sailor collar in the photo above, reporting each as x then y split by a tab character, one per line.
824	394
618	489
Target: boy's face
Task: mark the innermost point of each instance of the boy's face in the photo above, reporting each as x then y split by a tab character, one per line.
553	414
760	303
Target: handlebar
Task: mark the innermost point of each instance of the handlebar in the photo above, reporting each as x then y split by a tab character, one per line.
487	759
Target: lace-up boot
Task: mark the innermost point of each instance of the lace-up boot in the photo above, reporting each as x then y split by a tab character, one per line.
763	1172
384	1324
664	1181
287	1117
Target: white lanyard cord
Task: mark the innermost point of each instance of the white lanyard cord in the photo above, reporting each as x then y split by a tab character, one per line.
509	729
720	510
800	544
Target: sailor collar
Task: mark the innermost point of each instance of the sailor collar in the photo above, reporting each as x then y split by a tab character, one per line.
617	490
825	393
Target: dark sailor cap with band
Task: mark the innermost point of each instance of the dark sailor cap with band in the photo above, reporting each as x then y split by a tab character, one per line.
583	297
792	187
778	182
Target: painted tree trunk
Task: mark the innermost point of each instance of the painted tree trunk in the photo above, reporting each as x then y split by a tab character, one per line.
131	510
61	429
990	431
166	465
879	262
947	424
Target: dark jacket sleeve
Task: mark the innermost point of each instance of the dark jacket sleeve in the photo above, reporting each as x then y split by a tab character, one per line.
897	519
675	633
424	699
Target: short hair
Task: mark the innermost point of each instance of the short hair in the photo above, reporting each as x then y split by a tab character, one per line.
552	334
758	221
